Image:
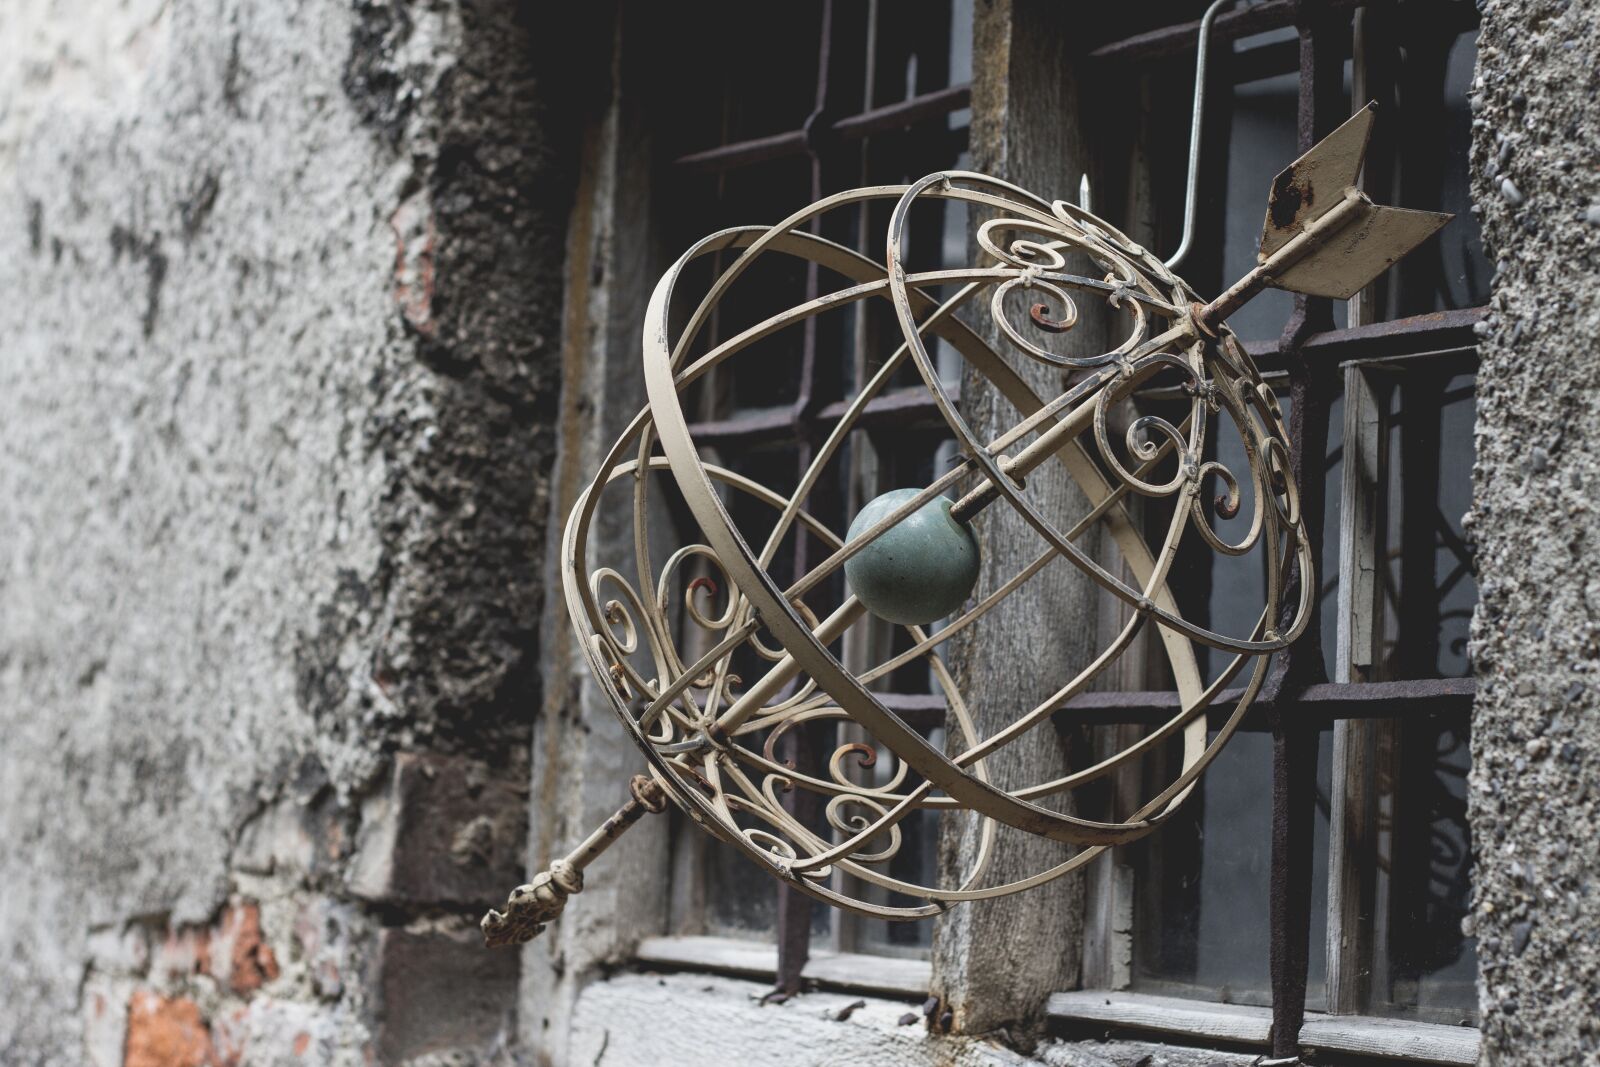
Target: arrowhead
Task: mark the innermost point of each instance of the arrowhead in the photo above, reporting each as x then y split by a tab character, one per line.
1314	184
1368	246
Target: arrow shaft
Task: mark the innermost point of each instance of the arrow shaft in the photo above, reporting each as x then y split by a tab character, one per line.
1303	244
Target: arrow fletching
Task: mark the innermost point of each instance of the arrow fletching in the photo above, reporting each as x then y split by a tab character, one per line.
1369	237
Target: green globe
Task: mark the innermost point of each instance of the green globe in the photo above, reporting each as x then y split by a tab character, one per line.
920	570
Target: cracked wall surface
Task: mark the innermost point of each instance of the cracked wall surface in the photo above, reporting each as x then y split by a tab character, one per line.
279	373
276	398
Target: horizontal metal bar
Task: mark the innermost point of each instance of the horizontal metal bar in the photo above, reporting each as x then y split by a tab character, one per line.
1418	334
1175	40
1317	705
902	407
905	113
921	711
850	128
1436	331
745	153
755	426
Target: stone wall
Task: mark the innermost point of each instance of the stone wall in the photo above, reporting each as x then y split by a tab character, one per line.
277	389
1536	634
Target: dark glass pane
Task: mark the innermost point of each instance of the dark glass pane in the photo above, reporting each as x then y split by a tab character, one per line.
1432	966
1430	585
741	899
1201	884
1451	270
1263	139
1228	592
1419	70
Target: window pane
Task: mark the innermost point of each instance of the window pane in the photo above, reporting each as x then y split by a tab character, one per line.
787	378
1201	884
1425	965
1432	966
1430	584
1263	139
1419	71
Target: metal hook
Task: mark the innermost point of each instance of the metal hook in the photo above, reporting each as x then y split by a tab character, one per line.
1192	192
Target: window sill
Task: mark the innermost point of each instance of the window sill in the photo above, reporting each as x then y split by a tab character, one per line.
1239	1024
855	972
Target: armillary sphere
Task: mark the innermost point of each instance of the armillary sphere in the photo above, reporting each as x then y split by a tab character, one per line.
710	659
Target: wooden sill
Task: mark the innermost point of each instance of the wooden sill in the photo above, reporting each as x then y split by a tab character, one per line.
1363	1035
850	971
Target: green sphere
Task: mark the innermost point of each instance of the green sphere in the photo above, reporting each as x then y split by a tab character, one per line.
920	570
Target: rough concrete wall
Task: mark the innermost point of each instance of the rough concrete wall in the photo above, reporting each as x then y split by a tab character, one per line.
276	392
1536	634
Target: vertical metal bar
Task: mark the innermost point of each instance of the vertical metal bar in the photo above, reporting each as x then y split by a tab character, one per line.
794	908
861	643
1363	748
1294	743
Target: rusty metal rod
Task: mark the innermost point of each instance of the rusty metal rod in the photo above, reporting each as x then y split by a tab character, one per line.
530	907
1301	245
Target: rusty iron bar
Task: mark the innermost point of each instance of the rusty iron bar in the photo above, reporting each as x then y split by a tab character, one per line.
1318	706
1436	331
893	410
531	907
1178	39
1399	337
1294	740
796	143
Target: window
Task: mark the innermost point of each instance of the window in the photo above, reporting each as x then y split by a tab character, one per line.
1390	859
1184	911
892	100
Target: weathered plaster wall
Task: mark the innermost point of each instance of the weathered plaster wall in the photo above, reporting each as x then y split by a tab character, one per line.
1536	635
277	387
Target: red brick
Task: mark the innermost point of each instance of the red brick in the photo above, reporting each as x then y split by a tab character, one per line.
250	960
165	1032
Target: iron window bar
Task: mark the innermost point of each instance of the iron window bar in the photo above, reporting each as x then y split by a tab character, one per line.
1317	706
802	142
1399	338
1178	39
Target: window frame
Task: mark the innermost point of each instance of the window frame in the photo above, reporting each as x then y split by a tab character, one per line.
1353	704
1349	704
